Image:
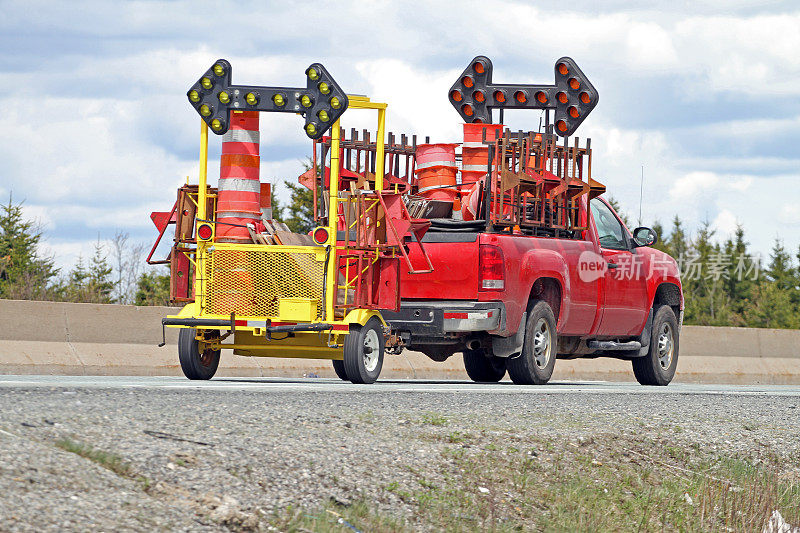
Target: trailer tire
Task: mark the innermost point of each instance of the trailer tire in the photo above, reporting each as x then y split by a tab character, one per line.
363	352
194	364
534	365
338	367
483	369
658	366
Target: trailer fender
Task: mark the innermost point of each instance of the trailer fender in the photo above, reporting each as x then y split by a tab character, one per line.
361	316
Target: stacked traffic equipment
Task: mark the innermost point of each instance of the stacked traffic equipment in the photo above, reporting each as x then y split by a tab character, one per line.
436	172
239	201
474	153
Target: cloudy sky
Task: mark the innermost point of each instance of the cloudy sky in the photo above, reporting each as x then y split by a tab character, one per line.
97	132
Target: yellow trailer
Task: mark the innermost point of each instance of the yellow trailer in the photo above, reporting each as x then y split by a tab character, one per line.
278	300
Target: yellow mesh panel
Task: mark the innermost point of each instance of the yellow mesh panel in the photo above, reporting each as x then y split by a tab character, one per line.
250	282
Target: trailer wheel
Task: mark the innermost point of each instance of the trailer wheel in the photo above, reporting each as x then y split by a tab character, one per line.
363	352
658	366
534	365
196	365
483	369
338	367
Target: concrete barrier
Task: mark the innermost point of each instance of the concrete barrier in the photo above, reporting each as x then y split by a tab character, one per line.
95	339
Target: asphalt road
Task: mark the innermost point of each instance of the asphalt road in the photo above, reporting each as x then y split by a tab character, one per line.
312	385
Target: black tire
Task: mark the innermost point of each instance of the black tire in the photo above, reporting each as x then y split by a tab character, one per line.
194	364
658	366
338	367
359	364
483	369
534	365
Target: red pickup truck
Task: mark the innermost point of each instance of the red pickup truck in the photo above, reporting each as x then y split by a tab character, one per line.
515	302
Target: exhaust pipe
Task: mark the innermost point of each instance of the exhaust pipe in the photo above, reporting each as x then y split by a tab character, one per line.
473	344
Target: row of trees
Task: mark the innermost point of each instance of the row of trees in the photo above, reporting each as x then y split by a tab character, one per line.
113	274
724	283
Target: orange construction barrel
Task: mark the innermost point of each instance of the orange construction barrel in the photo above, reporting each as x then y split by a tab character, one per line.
436	171
475	154
239	196
435	155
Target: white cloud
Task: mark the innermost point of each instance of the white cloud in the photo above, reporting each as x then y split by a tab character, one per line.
649	46
725	224
694	183
790	214
741	184
415	99
754	55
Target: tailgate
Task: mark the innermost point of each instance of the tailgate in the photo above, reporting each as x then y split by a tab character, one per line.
455	268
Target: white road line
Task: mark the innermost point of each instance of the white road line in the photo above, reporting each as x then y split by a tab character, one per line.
402	386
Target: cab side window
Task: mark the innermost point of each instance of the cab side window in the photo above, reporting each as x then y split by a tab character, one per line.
609	228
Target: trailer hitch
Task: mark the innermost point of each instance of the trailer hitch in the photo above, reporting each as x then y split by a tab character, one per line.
193	323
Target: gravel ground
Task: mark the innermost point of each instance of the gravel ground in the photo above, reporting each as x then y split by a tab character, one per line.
249	453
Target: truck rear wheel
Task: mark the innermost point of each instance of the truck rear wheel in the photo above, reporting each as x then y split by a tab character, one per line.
658	366
482	367
338	367
534	365
363	352
196	364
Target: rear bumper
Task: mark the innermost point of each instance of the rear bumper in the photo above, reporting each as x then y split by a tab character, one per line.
430	319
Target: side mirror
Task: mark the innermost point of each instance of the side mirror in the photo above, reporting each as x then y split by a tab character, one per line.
643	236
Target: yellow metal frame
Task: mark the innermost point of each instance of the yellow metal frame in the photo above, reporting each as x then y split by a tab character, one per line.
323	345
355	102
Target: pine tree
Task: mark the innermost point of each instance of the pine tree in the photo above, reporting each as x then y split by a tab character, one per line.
677	244
152	289
780	270
618	208
75	288
300	211
92	284
795	295
24	274
770	307
706	301
741	271
277	209
660	243
100	284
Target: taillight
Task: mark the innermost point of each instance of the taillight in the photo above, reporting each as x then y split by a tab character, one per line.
320	235
492	268
205	232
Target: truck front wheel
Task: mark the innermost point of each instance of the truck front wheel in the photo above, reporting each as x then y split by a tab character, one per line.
534	365
363	352
194	363
483	369
658	366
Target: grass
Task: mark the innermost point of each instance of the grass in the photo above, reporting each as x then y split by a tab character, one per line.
107	460
605	484
434	419
367	417
360	516
506	481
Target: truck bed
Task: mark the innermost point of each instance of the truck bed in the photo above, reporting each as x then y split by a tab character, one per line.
455	268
